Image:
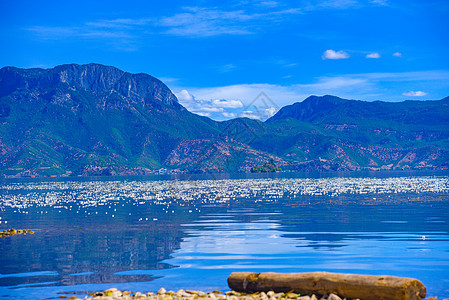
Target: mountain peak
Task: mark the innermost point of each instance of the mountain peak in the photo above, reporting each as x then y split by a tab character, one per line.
310	109
104	81
325	98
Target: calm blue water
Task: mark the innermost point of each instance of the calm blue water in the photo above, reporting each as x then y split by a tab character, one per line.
140	235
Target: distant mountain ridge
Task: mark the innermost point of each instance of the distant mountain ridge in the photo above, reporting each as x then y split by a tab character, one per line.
357	134
332	109
99	120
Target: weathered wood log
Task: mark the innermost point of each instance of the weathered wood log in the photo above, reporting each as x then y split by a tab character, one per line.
365	287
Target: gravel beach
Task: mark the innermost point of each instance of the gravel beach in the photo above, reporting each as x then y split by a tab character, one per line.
162	294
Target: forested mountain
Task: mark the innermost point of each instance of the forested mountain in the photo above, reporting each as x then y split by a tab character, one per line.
98	120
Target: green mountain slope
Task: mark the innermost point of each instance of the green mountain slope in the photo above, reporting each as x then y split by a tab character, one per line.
80	119
357	134
98	120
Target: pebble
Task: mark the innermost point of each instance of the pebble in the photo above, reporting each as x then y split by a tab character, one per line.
162	294
333	297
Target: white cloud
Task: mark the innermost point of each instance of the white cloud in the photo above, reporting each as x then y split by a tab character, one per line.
270	111
373	55
184	95
397	54
200	107
246	93
365	86
251	115
228	103
332	54
250	100
415	94
204	114
229	115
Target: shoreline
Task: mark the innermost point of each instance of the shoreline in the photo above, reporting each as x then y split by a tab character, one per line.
162	294
229	175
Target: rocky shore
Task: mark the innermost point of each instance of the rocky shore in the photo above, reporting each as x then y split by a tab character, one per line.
162	294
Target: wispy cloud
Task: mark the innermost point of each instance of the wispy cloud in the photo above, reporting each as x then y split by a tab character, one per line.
205	22
332	54
415	94
282	62
380	2
168	79
269	3
348	4
204	114
120	23
193	22
433	75
116	34
397	54
190	22
227	68
339	4
116	28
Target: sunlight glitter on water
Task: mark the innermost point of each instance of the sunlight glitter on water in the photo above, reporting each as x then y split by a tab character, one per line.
141	235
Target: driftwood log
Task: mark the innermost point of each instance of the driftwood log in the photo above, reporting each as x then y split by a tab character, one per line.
365	287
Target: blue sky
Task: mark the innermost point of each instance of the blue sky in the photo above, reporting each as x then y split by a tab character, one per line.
217	57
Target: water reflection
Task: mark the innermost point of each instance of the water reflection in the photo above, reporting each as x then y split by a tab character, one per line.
90	247
144	235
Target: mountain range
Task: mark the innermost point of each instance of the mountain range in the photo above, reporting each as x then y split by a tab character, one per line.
92	119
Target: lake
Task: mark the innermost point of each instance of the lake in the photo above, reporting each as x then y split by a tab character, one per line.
141	234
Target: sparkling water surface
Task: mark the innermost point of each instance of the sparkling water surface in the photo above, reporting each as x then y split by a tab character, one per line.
140	234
